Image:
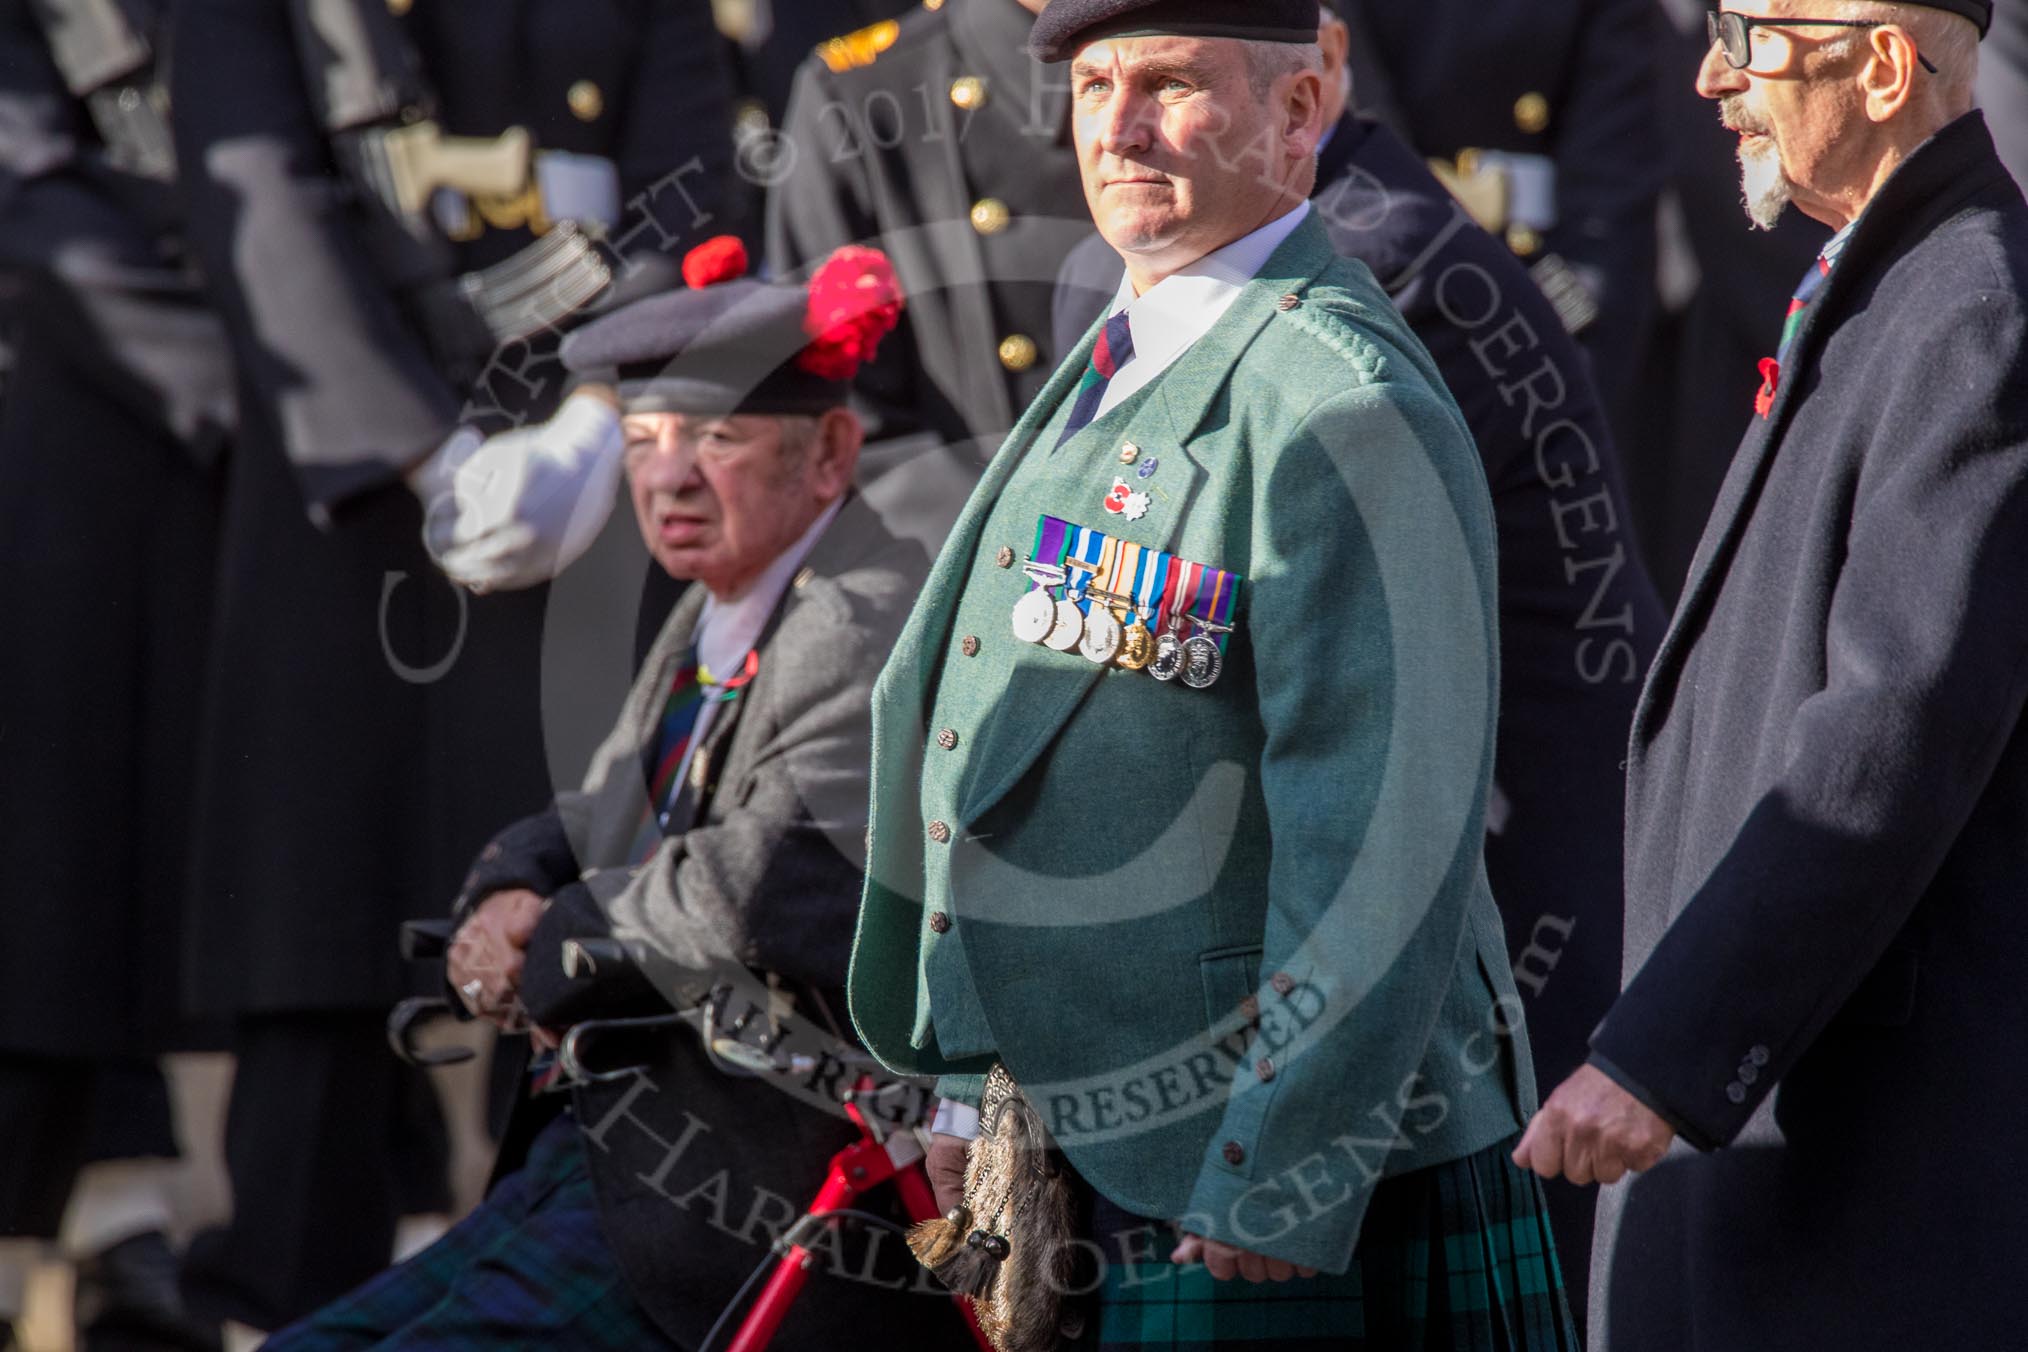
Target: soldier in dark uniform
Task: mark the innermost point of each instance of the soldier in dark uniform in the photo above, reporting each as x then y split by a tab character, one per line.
1578	617
1542	119
943	142
118	414
368	723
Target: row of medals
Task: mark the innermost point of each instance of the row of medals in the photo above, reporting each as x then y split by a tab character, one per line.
1102	639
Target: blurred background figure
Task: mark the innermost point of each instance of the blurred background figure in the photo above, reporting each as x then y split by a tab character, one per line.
1540	118
766	43
1721	289
118	414
2003	86
397	207
940	141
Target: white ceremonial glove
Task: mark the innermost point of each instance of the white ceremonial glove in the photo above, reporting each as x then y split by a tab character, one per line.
512	511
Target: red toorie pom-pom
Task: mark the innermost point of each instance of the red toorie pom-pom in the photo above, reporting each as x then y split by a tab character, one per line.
720	259
855	302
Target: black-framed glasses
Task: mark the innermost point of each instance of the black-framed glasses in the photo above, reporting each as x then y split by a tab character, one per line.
1734	32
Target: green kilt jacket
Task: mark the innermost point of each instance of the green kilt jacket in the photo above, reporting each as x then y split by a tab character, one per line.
1235	943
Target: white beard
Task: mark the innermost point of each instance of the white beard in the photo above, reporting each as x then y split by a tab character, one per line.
1766	187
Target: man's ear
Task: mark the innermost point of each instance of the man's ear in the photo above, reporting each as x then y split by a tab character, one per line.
1888	78
1303	113
840	434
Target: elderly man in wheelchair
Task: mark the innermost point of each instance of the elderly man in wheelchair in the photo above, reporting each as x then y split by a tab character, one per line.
707	873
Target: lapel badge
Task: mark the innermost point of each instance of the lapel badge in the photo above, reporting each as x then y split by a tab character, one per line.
1148	468
1129	453
1135	507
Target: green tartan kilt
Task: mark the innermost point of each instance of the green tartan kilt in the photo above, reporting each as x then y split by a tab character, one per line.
1454	1258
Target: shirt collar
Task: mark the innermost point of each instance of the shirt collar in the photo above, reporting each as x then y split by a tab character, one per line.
1181	308
728	629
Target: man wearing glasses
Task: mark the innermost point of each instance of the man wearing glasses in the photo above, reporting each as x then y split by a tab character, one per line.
1826	786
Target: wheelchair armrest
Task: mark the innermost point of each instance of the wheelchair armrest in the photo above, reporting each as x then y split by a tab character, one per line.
597	959
408	1018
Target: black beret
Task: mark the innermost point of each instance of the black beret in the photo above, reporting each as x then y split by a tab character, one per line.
1068	24
1979	12
731	344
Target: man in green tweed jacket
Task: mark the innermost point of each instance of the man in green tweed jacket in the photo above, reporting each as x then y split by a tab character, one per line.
1180	764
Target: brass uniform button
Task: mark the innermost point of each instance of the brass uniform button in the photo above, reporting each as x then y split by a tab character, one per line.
1265	1068
970	647
990	216
586	100
968	92
1235	1153
1282	982
940	833
1531	113
1005	558
1018	352
399	7
1523	240
948	739
932	5
1129	453
940	922
1289	302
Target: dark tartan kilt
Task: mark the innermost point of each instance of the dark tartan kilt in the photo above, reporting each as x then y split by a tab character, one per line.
1457	1257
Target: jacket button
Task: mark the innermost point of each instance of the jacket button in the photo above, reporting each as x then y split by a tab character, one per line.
1736	1092
1249	1009
1282	982
1289	302
968	92
970	647
1265	1068
586	100
1235	1153
940	922
1531	113
1005	558
1523	240
1018	352
940	833
1748	1073
1758	1055
990	216
948	740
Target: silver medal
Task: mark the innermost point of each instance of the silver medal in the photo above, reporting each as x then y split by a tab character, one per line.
1034	617
1068	628
1168	663
1102	636
1202	663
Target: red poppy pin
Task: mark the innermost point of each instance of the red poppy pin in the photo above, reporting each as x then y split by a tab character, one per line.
1770	381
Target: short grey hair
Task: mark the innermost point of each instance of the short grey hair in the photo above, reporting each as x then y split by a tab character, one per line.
1949	41
1268	62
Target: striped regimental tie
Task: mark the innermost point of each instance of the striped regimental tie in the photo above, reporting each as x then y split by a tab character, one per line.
1115	349
665	757
1799	305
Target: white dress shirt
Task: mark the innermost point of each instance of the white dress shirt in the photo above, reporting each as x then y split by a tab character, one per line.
1181	308
729	627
